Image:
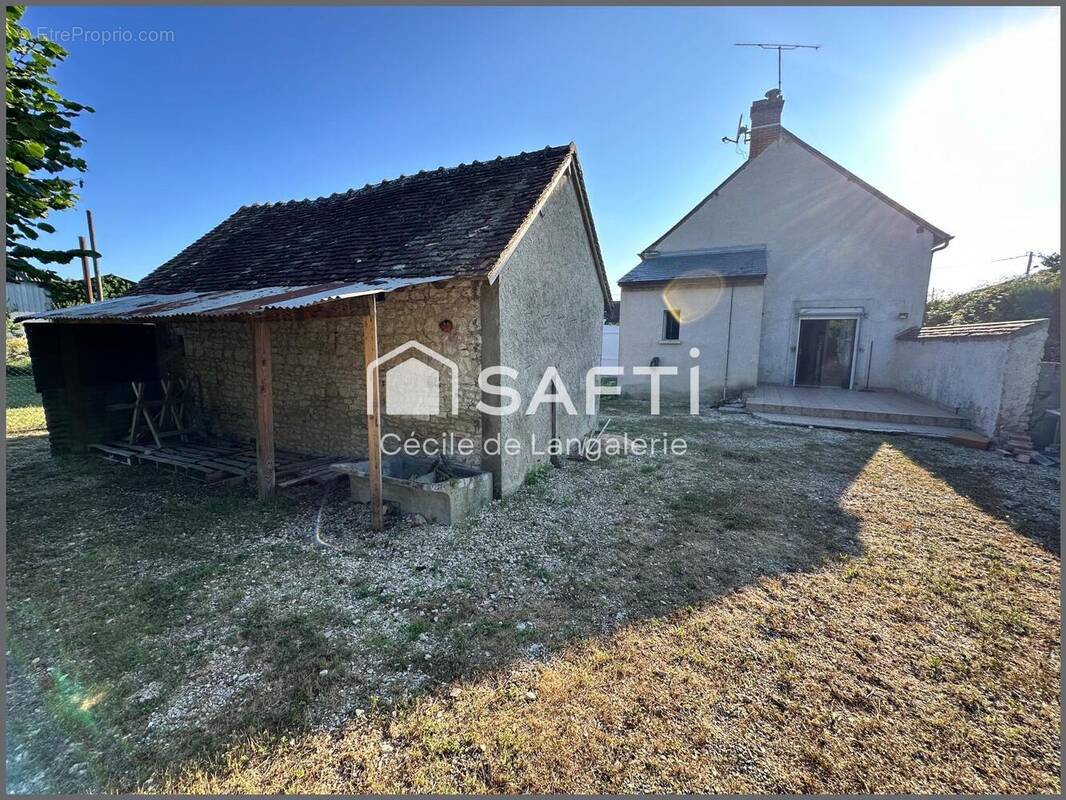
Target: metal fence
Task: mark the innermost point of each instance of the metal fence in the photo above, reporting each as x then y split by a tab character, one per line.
25	413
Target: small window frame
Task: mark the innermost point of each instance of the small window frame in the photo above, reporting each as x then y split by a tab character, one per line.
671	330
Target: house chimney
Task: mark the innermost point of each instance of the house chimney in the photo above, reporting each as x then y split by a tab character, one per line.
765	122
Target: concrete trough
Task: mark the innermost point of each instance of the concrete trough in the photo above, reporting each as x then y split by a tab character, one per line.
444	494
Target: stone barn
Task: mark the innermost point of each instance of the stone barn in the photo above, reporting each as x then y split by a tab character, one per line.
265	329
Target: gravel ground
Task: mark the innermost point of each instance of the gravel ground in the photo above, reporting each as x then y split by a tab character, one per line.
158	624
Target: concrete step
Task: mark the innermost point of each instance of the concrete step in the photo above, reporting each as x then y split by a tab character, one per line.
945	421
957	435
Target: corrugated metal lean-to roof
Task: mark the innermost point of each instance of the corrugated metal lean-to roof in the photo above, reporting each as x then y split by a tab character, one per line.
225	303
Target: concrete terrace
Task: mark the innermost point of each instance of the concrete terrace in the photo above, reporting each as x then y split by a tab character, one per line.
882	410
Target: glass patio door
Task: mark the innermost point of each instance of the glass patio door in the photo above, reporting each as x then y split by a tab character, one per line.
825	352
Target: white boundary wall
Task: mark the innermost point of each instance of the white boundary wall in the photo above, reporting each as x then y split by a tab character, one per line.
991	380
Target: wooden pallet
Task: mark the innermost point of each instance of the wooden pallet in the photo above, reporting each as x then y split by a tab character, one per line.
228	462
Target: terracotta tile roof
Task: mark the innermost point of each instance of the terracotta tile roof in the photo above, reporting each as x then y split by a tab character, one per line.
445	223
980	330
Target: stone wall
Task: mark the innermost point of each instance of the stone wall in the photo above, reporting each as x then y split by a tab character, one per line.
416	314
319	372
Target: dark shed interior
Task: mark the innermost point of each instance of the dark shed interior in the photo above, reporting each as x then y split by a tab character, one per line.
83	370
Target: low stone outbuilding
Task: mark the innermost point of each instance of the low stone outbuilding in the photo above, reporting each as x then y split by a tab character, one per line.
272	318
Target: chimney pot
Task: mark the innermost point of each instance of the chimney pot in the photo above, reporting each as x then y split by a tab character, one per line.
765	122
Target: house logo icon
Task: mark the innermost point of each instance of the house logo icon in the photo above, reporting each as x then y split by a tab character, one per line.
412	387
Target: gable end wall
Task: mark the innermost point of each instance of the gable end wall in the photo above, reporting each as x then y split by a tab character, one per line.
549	307
830	243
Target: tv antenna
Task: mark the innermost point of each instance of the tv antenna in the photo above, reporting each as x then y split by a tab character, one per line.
778	48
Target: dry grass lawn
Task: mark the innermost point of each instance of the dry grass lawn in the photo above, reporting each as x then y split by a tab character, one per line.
781	610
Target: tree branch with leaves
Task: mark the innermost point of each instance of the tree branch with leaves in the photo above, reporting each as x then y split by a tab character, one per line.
41	146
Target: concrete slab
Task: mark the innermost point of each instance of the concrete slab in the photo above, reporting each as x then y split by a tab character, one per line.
957	435
882	406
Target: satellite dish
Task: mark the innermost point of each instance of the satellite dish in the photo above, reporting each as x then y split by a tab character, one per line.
741	132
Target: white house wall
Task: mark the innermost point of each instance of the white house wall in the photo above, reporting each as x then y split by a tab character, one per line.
830	243
609	348
704	324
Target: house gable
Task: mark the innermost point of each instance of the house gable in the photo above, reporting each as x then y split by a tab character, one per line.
778	184
569	179
830	241
545	310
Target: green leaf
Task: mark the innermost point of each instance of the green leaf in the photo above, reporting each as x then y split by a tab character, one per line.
41	144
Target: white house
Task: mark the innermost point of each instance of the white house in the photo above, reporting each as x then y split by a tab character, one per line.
793	271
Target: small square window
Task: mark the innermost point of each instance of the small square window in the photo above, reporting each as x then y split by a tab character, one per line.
671	325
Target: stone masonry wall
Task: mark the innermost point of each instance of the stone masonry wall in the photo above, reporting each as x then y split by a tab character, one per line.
1021	375
417	314
319	372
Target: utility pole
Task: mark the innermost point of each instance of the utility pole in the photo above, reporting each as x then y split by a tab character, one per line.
1028	264
96	264
85	270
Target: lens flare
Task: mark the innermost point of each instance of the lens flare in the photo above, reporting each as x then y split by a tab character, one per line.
688	305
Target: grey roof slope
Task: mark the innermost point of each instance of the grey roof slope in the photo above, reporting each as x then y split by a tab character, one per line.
444	223
940	237
730	264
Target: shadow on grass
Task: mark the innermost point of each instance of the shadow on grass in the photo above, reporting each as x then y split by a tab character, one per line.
186	618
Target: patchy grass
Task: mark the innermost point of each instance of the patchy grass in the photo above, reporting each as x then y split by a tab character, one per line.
779	610
23	410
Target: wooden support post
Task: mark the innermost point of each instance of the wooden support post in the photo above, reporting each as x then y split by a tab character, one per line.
85	271
264	411
373	414
96	261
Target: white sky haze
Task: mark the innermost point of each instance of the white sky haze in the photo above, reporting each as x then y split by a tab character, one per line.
977	150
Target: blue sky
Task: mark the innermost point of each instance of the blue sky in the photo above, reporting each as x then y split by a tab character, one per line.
252	105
